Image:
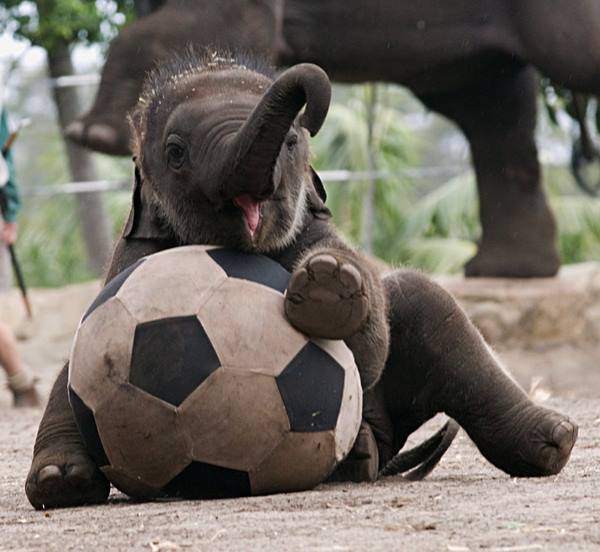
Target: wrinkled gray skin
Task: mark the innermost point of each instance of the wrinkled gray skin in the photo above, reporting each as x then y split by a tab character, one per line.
222	157
470	60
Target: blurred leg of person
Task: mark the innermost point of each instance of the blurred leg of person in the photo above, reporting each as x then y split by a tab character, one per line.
20	380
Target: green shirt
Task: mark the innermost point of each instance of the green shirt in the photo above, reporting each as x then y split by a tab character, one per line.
13	201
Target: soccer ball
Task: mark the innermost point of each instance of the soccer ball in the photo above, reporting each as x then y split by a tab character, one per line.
186	379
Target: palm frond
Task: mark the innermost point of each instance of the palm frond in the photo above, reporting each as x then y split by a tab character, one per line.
438	255
449	210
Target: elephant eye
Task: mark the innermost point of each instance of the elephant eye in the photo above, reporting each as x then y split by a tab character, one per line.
291	141
176	151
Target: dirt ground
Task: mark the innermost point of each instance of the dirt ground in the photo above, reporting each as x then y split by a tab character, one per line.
465	504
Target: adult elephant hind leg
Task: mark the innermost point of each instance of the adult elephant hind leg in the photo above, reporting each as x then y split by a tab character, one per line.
62	473
437	352
498	118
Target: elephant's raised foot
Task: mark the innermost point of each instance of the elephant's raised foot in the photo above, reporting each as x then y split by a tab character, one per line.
325	298
97	136
536	260
65	476
536	443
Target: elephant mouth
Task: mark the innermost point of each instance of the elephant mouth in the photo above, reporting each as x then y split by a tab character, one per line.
252	211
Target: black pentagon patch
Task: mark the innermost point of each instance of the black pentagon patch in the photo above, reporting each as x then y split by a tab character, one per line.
171	357
311	387
256	268
201	480
86	424
112	288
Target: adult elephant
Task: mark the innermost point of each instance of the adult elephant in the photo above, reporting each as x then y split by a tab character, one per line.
473	61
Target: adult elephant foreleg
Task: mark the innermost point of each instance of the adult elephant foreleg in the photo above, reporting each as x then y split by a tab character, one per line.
498	117
439	362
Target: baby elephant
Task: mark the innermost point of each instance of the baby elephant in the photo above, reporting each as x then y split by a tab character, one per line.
221	157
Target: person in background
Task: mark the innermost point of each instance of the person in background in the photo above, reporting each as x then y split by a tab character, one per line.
20	381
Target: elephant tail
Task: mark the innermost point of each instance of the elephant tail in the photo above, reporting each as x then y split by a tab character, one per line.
423	458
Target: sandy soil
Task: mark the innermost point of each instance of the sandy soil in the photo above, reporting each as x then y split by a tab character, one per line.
466	504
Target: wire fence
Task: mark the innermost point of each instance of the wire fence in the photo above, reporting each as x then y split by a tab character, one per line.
327	176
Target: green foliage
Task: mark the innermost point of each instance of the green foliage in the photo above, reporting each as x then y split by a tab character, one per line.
440	228
50	247
55	23
342	144
579	227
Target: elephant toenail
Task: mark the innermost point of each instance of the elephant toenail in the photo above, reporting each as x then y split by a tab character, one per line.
79	474
323	263
350	276
298	280
49	474
564	434
75	131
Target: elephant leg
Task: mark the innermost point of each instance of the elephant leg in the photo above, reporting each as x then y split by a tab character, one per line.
62	473
105	128
498	118
335	294
440	363
375	444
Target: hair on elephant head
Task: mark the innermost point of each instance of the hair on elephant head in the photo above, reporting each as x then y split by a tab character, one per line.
221	150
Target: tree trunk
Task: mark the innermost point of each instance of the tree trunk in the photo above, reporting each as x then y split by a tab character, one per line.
93	216
368	206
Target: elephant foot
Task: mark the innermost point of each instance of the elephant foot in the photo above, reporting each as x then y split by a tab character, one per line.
100	137
362	464
536	442
528	260
64	475
325	298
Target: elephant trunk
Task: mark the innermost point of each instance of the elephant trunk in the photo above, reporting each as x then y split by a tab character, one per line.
249	166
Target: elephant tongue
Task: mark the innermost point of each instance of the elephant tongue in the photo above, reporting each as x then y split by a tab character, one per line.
251	208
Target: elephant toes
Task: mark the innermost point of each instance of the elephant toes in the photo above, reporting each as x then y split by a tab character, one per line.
98	136
75	131
362	464
65	479
537	443
552	441
325	298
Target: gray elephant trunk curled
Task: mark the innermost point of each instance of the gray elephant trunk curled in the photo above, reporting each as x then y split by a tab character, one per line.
252	156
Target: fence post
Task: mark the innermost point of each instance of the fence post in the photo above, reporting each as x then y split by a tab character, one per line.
368	214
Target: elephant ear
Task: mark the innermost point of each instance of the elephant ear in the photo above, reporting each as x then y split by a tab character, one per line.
317	196
142	223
